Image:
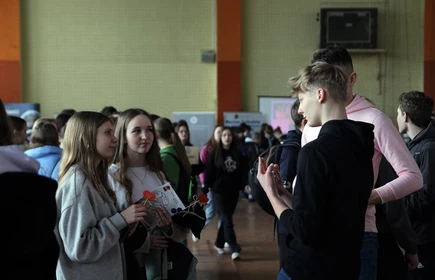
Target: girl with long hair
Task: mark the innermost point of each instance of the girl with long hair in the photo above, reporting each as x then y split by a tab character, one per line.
89	223
206	150
174	157
137	166
182	129
226	175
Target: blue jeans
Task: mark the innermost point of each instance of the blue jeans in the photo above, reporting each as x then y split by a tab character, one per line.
283	276
210	210
369	256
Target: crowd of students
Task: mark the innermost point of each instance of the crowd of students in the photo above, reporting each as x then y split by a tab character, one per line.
351	199
330	211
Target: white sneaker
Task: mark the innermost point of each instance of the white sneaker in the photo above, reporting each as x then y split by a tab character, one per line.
235	256
226	245
220	251
194	239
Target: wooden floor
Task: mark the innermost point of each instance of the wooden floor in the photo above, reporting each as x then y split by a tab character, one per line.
259	255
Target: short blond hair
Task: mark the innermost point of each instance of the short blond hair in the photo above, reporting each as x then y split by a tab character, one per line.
322	75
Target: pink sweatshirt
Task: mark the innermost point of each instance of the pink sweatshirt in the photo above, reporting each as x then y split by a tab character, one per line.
389	143
203	157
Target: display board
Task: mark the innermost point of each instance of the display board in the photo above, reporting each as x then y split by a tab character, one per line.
277	111
201	125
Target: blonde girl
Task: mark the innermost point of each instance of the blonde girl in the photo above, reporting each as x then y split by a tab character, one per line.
89	224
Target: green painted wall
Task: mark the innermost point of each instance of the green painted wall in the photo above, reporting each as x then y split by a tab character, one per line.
85	55
280	36
146	53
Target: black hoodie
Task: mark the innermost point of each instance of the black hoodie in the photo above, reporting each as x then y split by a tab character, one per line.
334	182
421	204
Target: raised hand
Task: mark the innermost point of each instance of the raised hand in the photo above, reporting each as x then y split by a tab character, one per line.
277	180
268	176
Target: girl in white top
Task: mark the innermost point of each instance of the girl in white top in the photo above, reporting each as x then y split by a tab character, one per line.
137	166
89	222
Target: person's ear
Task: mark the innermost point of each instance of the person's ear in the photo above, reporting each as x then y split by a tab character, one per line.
352	79
321	95
405	116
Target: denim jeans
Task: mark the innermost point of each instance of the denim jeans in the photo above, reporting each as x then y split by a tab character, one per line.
369	256
210	210
283	276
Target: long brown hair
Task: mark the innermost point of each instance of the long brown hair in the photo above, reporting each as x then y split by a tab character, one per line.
5	127
212	143
80	150
218	160
152	157
179	125
166	131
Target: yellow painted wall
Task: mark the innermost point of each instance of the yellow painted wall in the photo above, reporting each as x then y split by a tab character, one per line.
86	54
146	53
280	36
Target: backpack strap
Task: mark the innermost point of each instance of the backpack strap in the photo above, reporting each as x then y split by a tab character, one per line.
281	146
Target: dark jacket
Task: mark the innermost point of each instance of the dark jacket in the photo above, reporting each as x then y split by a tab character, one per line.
421	204
231	178
392	220
287	164
289	156
272	141
28	244
250	151
335	179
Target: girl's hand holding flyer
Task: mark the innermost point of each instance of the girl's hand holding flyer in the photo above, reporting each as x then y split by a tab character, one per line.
163	196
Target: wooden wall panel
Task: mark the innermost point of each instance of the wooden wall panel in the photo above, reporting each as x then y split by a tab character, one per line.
10	51
229	94
429	48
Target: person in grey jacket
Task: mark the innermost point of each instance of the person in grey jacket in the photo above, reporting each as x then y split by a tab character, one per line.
89	224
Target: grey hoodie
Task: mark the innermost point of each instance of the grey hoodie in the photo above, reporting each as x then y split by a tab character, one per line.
88	231
13	159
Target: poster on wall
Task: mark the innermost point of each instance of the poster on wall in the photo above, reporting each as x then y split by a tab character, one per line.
277	111
253	119
30	112
201	125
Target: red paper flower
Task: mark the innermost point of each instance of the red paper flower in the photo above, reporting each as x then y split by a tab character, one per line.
202	198
149	195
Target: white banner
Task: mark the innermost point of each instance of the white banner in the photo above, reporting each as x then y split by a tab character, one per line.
201	125
253	119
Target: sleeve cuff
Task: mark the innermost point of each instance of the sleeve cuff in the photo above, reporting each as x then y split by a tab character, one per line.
118	221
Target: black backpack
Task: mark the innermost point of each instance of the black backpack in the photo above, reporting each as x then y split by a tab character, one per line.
272	155
183	190
194	219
